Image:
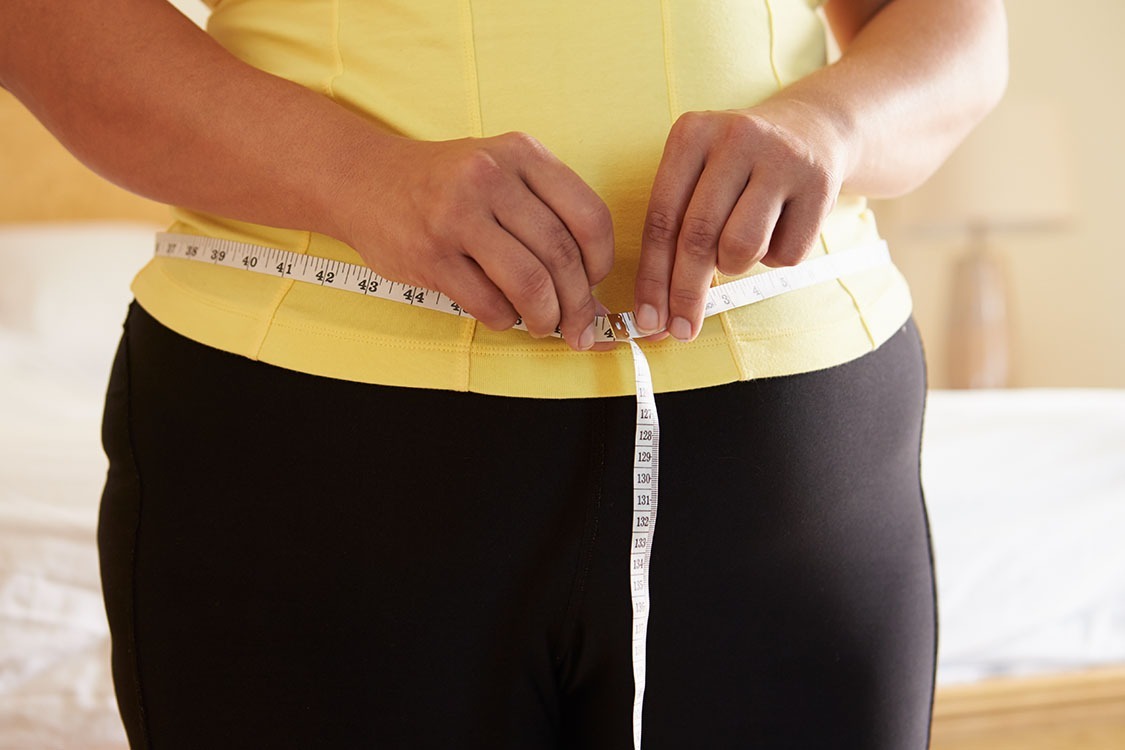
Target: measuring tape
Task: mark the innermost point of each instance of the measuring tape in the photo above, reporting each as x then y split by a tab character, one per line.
360	279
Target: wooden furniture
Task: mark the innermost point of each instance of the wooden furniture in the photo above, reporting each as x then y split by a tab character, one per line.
44	182
1070	711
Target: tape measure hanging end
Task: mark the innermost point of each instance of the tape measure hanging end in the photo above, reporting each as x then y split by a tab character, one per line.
646	471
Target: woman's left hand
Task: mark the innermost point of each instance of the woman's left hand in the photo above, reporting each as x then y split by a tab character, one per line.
733	188
755	184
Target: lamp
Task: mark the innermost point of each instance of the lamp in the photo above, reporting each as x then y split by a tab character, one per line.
1010	176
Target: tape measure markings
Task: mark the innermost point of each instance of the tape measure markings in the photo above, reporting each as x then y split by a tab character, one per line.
612	327
646	467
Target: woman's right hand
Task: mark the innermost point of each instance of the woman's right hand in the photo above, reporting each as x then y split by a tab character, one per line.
498	224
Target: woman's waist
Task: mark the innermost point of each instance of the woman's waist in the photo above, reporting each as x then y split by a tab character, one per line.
322	330
319	328
850	225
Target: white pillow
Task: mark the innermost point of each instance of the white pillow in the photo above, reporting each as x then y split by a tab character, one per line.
193	9
64	289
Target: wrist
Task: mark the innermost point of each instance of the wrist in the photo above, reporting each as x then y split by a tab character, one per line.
355	182
823	124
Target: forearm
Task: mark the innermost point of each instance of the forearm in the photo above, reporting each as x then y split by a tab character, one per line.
914	79
149	101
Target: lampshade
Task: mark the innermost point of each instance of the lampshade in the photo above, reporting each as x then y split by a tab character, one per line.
1012	173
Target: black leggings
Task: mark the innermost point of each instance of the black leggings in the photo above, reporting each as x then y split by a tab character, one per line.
291	561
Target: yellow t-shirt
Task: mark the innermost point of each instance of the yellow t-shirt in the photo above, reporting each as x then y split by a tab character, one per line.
599	83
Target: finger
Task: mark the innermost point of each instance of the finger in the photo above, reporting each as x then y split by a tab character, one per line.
746	236
799	225
797	230
537	227
602	344
659	336
718	190
470	287
680	168
577	206
523	280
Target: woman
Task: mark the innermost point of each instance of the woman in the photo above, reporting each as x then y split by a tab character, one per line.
332	520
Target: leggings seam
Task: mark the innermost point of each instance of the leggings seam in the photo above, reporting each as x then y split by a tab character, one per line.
138	694
929	536
589	534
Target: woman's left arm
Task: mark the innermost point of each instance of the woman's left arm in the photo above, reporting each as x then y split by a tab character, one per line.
742	186
914	78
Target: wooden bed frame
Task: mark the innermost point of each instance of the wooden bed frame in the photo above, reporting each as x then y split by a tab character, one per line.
1070	711
1078	710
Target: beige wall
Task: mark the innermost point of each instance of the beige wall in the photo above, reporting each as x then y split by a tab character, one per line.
41	181
1067	288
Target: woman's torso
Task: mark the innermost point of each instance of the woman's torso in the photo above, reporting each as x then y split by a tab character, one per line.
599	83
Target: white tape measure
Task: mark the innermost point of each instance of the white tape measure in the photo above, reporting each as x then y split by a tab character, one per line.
360	279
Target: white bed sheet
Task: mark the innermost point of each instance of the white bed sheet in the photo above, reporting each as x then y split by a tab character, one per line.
55	689
63	297
1026	491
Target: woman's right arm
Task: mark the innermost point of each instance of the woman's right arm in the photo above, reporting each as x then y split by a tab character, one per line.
148	100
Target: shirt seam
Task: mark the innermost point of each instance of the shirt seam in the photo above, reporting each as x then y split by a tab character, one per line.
337	57
823	240
796	332
204	300
279	298
476	125
729	335
488	351
616	352
851	295
669	74
773	46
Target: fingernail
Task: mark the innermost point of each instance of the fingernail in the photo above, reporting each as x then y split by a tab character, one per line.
680	328
586	340
647	321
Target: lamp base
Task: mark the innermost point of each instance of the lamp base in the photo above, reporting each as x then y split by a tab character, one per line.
979	349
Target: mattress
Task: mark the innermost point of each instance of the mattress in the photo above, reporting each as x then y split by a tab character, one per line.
1025	488
63	295
1026	495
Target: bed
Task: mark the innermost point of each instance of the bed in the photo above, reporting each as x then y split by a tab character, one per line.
1026	494
1026	490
